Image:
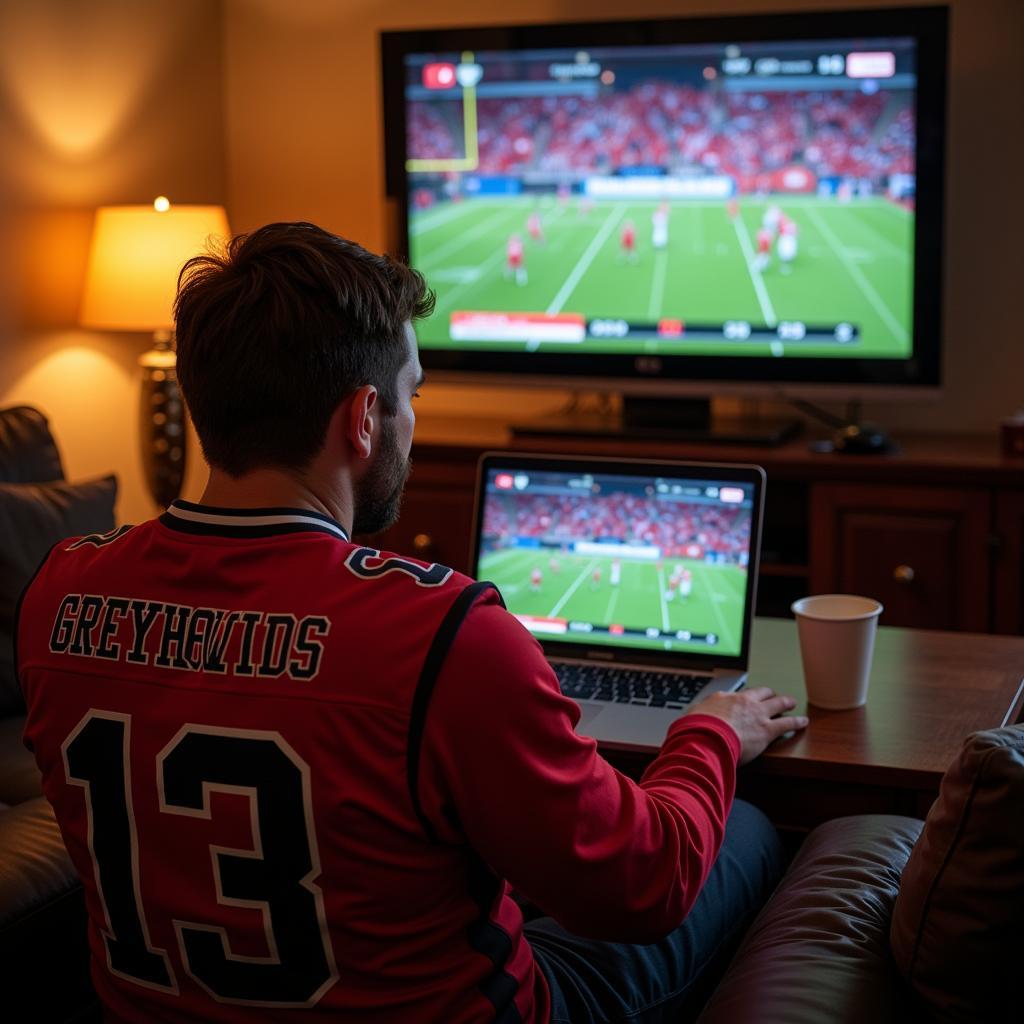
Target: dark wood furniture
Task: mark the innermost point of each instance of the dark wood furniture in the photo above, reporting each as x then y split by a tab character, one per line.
934	531
928	691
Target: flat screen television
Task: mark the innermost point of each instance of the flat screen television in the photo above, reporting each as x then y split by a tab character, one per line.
671	207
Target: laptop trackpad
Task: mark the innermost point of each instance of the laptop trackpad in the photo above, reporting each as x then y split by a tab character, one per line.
587	714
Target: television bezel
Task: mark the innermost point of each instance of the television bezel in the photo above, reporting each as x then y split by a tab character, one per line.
919	375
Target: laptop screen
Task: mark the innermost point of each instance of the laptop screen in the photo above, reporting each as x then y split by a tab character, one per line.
650	562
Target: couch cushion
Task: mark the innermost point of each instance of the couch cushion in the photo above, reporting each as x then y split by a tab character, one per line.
34	866
19	777
819	949
33	517
44	946
28	453
957	926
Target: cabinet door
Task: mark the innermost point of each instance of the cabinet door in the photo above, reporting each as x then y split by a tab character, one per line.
1008	611
923	551
437	515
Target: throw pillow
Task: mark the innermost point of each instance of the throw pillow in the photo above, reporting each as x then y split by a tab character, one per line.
33	517
28	453
956	928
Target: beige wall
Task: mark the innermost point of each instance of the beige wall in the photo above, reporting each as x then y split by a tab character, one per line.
273	107
304	141
101	101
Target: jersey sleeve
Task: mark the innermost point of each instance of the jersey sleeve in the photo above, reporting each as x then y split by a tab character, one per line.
603	855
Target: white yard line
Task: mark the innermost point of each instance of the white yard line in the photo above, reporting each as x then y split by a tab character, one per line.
497	557
572	590
767	309
661	597
445	301
613	601
891	246
431	257
858	275
658	283
586	259
422	225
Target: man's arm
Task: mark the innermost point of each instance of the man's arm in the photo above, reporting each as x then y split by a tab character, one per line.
603	855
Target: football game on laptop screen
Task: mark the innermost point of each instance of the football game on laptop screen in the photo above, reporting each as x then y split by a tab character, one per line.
648	562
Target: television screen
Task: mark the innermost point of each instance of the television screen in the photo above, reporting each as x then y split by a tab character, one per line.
752	197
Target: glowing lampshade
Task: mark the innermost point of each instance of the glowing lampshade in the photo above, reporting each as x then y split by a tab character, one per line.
134	261
136	255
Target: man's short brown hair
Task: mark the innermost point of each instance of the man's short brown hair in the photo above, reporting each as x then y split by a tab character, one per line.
276	332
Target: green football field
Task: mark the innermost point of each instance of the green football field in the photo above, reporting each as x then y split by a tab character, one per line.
854	265
638	602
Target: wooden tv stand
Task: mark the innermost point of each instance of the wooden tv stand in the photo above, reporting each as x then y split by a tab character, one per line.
934	531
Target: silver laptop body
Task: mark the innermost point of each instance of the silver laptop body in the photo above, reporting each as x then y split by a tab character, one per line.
638	578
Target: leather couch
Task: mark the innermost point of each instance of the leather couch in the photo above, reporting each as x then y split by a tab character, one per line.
881	919
43	949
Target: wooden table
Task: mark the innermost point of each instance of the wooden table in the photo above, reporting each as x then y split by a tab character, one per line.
928	691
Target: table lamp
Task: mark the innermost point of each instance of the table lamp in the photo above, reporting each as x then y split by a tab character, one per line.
131	281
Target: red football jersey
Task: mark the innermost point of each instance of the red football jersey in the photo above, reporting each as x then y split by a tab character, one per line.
297	777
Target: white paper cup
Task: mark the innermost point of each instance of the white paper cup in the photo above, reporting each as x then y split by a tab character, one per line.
837	640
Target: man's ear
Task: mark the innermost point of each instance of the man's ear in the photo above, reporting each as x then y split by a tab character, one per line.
361	420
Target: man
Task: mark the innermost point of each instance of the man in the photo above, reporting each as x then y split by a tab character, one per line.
534	227
659	226
627	241
764	249
295	773
514	261
787	243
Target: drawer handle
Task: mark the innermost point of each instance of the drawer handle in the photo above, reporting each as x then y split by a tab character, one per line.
903	574
422	543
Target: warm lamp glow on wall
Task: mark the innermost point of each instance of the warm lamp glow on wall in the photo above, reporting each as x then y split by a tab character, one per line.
132	277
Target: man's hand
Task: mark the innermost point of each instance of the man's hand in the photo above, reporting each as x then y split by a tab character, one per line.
751	713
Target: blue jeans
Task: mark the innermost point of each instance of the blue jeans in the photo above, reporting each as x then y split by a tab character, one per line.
595	982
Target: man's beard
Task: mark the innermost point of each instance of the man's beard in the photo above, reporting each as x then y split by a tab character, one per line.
378	496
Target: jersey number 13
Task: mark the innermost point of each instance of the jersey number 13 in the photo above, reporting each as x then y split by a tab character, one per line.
275	877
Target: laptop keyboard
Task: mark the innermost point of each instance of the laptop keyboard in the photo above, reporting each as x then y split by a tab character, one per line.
628	685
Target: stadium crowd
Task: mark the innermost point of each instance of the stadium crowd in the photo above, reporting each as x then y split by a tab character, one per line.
679	529
839	132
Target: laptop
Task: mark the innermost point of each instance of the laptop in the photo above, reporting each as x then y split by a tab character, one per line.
637	577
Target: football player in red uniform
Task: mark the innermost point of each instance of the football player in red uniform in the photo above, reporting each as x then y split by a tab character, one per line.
764	249
534	227
627	241
298	775
514	261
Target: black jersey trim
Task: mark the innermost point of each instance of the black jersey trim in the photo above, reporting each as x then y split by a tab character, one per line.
17	618
210	520
99	540
484	935
489	939
425	688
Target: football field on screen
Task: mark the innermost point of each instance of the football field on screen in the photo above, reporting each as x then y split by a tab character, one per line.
854	265
715	604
